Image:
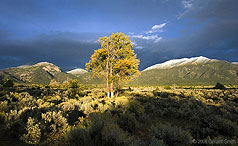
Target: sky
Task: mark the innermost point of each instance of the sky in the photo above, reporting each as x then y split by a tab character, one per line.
66	32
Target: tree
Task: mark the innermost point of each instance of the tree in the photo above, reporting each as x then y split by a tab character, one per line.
115	60
219	86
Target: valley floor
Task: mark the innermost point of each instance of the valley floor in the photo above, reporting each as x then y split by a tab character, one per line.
139	116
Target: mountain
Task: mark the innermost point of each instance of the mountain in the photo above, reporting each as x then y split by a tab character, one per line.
77	71
189	71
40	73
180	62
185	71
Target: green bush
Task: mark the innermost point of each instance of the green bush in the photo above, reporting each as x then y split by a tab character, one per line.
99	130
225	127
136	108
55	127
171	135
33	135
112	135
97	122
79	137
127	122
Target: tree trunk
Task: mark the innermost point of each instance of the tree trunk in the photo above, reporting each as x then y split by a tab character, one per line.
108	90
107	79
107	72
118	87
112	92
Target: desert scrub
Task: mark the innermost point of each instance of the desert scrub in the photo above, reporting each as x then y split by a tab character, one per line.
167	87
55	126
33	134
100	120
78	136
171	135
4	106
127	122
156	142
136	108
97	93
99	130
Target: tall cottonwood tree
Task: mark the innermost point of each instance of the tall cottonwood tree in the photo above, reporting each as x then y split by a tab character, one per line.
115	60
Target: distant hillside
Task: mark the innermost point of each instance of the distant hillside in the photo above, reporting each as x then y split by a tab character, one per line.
185	71
40	73
189	71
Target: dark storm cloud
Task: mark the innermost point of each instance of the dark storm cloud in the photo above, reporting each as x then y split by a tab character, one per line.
67	50
203	10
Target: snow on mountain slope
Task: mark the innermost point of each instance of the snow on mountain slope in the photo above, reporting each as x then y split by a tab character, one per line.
77	71
180	62
37	64
49	67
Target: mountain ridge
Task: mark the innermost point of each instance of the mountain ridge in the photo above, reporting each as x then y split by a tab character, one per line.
39	73
179	62
196	70
189	71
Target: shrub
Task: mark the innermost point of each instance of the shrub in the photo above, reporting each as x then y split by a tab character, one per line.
97	93
136	108
71	84
2	117
225	127
54	84
219	86
33	135
127	122
167	87
156	91
104	131
97	122
79	137
155	142
8	83
55	126
112	135
171	135
4	106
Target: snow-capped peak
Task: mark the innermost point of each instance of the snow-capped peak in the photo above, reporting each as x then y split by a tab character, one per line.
43	63
179	62
49	67
37	64
77	71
